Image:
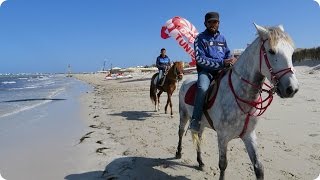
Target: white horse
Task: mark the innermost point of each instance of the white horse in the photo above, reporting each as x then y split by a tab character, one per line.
238	101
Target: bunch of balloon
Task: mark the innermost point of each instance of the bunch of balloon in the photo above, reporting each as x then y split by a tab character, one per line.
183	32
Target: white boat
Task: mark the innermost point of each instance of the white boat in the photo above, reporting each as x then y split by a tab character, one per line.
115	76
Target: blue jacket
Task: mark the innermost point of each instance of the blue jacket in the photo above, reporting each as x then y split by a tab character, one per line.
163	62
210	51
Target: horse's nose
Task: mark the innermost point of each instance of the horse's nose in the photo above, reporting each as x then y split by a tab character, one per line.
290	91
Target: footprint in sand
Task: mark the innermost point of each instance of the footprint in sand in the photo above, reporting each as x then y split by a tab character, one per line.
99	142
85	136
100	150
315	157
289	175
313	135
95	116
94	126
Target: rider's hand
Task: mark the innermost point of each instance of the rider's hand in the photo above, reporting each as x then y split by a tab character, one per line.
229	62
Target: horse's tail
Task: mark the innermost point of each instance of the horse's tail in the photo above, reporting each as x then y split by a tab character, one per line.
197	140
153	89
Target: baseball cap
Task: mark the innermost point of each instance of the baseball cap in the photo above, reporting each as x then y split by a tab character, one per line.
210	16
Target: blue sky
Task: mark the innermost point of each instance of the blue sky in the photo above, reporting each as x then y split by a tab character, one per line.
47	35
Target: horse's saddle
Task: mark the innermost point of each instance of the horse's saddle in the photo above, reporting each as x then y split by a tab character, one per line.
161	81
211	93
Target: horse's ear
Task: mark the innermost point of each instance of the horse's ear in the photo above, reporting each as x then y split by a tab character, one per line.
262	31
281	27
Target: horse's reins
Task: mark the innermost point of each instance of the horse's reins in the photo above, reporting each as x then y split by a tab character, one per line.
259	102
177	75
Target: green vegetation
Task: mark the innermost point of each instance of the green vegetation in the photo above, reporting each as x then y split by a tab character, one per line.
306	54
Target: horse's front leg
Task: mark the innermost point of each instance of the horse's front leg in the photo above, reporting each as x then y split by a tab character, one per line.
158	100
223	163
183	122
168	101
251	145
170	104
155	102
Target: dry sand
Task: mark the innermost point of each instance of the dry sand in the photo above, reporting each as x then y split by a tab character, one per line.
131	141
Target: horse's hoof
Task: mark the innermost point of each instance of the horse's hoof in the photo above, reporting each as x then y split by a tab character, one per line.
201	167
171	116
178	155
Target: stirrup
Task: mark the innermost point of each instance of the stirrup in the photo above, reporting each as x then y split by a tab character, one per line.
195	129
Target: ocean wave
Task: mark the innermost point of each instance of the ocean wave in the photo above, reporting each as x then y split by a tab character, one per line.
34	86
48	83
38	78
24	108
56	92
23	78
29	107
42	78
27	87
8	82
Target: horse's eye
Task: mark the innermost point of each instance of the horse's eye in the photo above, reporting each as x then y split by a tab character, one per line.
272	52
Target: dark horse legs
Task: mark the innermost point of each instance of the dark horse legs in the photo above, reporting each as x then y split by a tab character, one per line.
158	100
169	103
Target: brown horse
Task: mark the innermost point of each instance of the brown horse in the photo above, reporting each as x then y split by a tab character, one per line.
174	74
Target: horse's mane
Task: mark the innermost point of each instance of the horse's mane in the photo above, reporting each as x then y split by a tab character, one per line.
276	34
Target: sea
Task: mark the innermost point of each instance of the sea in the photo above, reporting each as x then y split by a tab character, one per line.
23	92
41	122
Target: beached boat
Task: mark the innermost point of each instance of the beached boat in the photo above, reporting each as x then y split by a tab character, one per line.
118	76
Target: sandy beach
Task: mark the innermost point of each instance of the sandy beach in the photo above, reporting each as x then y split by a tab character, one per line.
128	140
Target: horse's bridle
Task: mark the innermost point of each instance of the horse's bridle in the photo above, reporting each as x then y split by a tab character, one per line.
274	75
177	73
275	78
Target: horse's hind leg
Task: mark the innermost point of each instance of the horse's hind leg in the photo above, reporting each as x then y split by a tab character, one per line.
199	158
183	121
251	146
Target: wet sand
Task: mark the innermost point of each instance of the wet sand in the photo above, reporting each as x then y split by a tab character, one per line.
40	143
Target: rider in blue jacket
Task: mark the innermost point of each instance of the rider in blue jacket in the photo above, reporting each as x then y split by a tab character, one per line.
163	64
212	55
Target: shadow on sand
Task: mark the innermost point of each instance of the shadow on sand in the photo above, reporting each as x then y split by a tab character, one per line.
126	168
134	115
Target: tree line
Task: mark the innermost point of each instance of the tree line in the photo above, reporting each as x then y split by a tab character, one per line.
306	54
300	54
